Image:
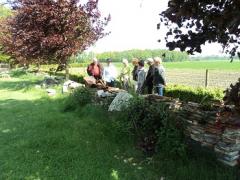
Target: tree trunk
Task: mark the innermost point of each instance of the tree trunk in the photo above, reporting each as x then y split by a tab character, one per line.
67	72
38	67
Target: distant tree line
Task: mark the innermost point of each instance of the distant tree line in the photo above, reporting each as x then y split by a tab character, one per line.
166	55
117	56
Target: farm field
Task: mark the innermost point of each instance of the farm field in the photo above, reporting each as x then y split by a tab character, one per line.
202	65
221	73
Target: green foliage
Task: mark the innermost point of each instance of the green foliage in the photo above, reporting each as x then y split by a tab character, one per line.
232	95
82	57
78	99
18	72
154	128
4	58
199	94
171	138
5	12
170	56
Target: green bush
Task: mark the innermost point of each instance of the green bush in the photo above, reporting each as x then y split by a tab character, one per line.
199	94
149	122
78	99
18	72
171	138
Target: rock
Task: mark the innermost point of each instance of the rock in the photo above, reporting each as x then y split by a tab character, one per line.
120	101
70	85
37	86
51	92
51	81
5	76
90	81
102	93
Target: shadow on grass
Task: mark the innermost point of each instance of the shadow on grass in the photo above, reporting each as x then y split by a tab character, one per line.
39	141
16	85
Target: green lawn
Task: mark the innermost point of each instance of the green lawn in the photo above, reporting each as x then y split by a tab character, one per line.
39	141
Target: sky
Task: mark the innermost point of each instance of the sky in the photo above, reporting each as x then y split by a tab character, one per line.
133	25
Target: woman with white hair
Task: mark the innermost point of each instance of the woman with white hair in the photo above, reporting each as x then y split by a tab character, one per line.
159	80
95	69
125	74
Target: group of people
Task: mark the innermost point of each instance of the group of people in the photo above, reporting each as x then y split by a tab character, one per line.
152	80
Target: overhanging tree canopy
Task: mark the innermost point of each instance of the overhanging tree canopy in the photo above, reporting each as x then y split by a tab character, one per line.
192	23
51	30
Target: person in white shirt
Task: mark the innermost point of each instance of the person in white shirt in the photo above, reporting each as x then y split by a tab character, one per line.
110	73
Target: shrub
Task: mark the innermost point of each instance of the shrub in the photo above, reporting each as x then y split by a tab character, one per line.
232	95
199	94
171	138
149	122
78	99
18	72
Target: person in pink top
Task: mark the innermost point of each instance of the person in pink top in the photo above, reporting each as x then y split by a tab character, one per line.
95	69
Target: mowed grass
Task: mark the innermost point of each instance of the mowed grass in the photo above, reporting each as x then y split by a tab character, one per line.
39	141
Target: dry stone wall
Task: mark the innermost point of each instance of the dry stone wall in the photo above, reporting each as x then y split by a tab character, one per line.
217	129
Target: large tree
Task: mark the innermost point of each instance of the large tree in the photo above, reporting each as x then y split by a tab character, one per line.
43	31
192	23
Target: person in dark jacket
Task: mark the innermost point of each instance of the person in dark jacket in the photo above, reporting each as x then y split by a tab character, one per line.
159	80
95	69
149	78
135	72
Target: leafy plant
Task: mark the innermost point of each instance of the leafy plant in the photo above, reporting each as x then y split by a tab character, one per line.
78	99
144	119
199	95
171	139
18	72
232	95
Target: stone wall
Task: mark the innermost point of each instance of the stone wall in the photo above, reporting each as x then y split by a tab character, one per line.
4	67
217	128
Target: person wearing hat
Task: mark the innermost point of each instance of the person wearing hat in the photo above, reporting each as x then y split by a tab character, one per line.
95	69
140	77
125	74
109	73
159	81
149	78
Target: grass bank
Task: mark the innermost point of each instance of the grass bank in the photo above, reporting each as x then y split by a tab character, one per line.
39	141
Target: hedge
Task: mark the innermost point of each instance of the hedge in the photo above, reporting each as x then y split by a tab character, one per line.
194	94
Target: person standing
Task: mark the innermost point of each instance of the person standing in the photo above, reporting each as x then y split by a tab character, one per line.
141	77
109	73
149	78
125	74
159	80
135	72
95	69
